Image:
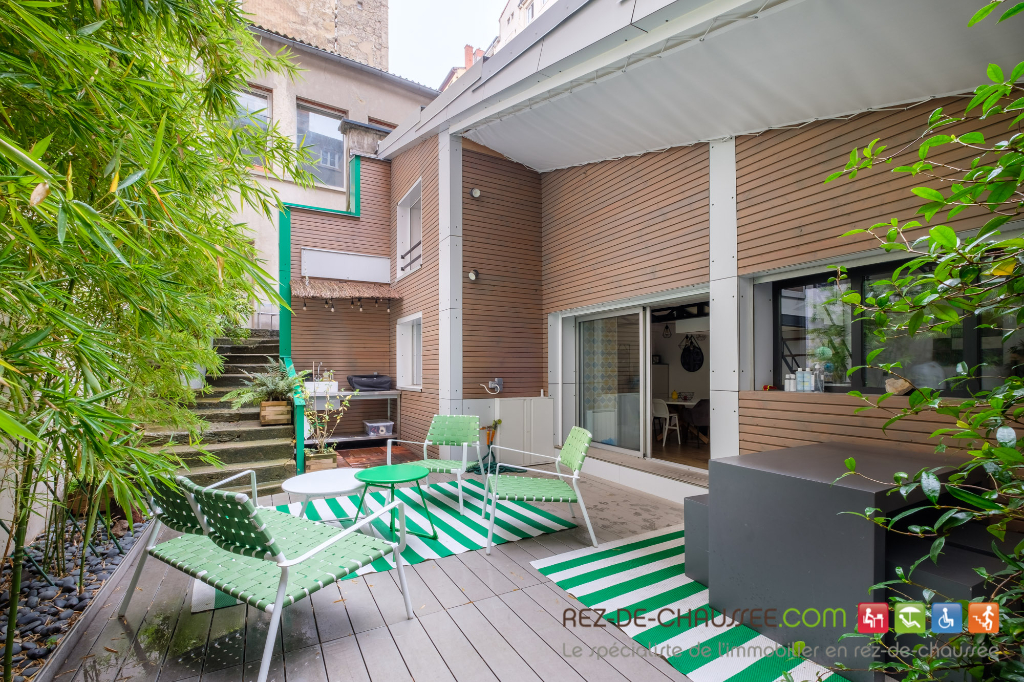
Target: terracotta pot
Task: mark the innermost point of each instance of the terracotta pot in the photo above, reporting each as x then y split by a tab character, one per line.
275	412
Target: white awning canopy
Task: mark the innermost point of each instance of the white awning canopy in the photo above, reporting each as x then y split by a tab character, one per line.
743	71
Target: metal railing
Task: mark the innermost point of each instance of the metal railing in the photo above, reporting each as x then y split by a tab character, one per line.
299	403
415	258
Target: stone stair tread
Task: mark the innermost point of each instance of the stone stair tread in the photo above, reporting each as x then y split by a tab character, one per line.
245	424
219	447
241	466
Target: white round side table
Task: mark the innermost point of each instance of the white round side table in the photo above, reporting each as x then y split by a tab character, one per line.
319	485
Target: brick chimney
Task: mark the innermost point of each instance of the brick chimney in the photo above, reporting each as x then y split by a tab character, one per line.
469	56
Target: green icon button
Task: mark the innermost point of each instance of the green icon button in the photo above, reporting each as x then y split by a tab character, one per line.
910	618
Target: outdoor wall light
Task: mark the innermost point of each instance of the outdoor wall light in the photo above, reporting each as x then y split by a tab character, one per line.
473	275
668	332
475	193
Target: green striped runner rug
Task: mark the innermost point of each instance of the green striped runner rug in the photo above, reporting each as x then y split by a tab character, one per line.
456	533
648	572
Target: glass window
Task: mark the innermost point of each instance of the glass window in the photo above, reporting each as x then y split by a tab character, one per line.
1001	359
815	331
409	332
252	108
927	359
410	231
610	379
320	132
529	13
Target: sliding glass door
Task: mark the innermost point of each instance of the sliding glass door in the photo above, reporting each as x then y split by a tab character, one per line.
610	352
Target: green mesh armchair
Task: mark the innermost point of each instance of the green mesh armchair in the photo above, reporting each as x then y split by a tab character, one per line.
456	430
562	487
260	556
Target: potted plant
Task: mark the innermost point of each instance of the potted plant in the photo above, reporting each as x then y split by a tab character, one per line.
321	423
271	389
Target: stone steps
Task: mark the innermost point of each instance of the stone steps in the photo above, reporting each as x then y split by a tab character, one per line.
235	437
240	431
238	453
261	348
219	412
228	381
269	475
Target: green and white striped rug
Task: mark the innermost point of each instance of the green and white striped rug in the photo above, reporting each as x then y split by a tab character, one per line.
456	533
647	572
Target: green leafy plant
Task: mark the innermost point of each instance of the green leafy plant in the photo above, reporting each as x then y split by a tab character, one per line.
123	165
325	422
273	383
948	279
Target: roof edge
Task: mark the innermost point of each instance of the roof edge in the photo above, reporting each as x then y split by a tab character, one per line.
301	46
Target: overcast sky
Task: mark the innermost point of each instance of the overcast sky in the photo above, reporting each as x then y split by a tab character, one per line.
426	37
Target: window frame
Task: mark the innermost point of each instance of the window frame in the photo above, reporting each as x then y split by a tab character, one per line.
409	352
268	94
856	277
404	237
325	110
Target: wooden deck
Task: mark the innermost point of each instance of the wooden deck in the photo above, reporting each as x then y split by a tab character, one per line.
478	619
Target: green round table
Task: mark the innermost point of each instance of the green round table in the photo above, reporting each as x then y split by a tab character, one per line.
389	477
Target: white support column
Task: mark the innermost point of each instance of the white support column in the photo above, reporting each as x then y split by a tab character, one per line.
727	294
449	148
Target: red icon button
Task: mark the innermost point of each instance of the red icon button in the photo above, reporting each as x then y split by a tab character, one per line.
872	618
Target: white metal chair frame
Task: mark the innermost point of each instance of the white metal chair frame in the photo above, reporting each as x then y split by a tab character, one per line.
573	479
671	420
284	563
458	473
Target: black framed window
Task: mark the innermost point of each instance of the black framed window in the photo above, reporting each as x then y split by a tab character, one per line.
810	330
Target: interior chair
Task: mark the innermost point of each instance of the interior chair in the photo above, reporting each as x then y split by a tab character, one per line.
455	430
561	488
659	410
698	417
262	557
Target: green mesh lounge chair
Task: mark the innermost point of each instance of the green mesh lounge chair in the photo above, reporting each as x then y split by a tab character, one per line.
532	489
245	551
454	430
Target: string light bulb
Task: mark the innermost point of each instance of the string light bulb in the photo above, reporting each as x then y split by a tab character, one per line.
332	306
303	304
389	305
352	303
360	305
325	304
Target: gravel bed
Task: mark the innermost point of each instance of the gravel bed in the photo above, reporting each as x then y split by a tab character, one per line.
45	613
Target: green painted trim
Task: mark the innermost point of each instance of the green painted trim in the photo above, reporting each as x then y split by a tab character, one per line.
299	405
284	271
284	282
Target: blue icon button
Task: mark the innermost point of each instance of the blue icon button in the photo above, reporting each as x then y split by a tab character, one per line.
947	618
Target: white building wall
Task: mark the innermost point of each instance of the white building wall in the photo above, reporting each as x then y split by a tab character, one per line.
727	295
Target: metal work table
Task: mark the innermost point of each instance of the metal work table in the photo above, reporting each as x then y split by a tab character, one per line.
319	401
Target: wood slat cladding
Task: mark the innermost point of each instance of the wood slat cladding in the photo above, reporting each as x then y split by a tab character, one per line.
418	289
787	216
368	234
619	228
502	322
775	419
346	341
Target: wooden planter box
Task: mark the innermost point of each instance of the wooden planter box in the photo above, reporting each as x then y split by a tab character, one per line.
275	412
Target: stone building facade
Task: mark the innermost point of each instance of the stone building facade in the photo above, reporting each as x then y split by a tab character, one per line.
356	29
